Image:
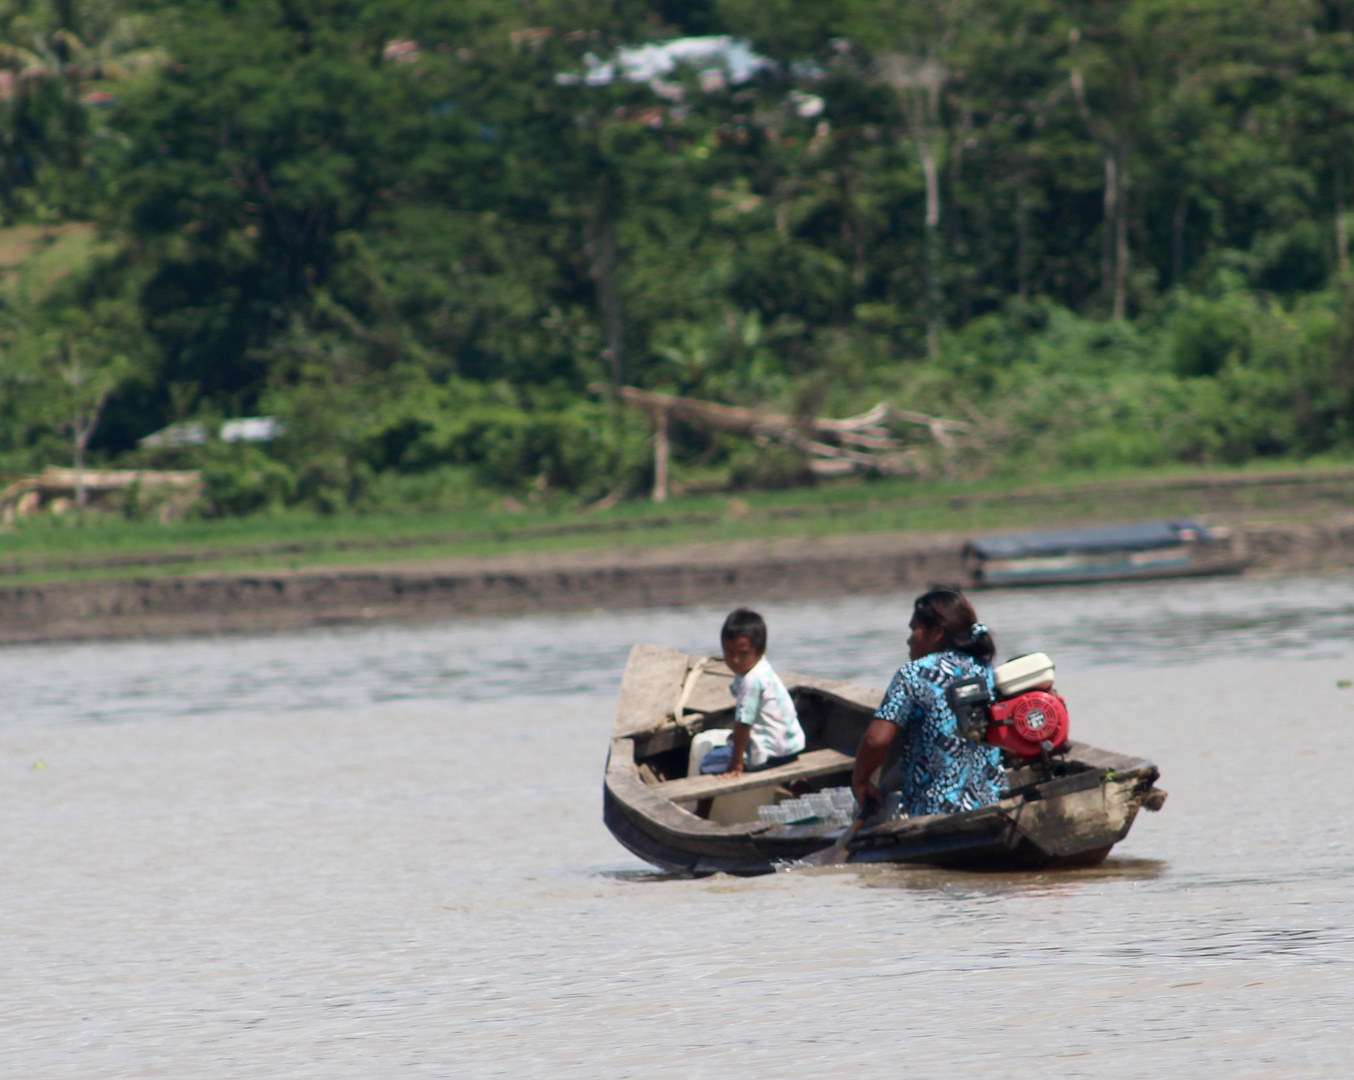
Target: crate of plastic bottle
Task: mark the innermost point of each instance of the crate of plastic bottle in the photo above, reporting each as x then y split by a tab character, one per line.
843	798
817	808
820	802
772	814
790	812
800	809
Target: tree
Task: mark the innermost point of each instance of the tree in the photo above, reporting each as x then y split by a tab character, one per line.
1322	109
59	65
93	353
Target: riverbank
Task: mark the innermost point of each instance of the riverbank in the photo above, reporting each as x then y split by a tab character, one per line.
59	549
752	571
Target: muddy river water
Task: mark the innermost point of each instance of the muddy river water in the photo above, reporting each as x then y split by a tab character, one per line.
378	852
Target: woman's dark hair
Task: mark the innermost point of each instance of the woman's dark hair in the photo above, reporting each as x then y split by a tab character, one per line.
948	610
744	623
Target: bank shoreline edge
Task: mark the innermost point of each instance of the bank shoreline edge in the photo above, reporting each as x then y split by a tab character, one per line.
557	582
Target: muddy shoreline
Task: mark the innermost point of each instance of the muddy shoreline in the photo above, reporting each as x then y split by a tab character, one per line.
722	574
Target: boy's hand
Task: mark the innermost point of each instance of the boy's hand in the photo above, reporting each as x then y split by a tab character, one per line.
739	742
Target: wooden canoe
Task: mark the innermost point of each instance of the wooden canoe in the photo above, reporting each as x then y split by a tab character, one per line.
1070	818
1148	550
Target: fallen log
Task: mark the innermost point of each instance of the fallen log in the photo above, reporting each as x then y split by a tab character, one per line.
56	488
863	443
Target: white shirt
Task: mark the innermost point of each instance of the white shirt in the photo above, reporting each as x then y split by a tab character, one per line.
766	707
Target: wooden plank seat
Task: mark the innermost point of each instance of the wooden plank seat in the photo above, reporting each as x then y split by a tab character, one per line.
805	767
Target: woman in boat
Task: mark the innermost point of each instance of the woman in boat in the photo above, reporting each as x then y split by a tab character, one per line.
941	771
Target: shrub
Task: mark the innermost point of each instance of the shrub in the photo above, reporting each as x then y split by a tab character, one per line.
243	479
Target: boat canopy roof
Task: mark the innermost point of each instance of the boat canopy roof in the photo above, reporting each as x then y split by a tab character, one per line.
1140	537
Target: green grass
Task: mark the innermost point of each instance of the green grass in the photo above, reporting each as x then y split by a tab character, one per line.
34	258
60	549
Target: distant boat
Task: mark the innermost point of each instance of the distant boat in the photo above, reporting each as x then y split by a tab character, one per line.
1067	816
1156	549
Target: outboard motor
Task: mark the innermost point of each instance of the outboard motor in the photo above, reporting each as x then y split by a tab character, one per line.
1026	719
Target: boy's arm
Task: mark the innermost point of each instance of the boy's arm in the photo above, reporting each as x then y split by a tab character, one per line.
740	744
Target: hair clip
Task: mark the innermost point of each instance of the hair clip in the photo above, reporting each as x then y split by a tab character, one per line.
977	630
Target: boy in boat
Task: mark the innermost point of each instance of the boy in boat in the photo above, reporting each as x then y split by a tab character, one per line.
766	729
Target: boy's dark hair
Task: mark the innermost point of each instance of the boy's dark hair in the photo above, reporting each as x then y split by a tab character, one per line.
947	609
745	623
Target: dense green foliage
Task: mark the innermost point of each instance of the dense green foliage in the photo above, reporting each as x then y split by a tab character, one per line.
424	233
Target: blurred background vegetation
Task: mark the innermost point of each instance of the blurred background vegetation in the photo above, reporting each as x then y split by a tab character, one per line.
427	235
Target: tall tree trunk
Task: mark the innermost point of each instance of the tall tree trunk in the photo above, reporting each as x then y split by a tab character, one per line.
954	224
1023	237
919	82
1341	222
600	236
783	193
925	151
82	424
1114	153
986	224
1178	238
1121	234
852	228
82	429
1111	202
954	219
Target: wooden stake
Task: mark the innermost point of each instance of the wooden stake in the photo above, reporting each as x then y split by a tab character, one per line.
660	455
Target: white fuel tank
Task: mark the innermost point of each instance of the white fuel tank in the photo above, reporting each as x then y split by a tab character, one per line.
1033	671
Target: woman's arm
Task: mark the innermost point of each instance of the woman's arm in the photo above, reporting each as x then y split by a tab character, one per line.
879	736
874	748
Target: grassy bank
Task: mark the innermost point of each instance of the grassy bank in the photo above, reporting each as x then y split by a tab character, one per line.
62	549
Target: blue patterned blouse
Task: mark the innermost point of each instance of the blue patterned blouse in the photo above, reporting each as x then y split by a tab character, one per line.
942	772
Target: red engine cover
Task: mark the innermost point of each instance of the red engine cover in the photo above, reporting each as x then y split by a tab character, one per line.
1021	723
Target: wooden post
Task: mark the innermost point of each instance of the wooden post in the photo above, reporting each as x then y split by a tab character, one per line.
660	455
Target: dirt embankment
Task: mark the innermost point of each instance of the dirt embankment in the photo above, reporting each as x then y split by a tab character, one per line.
724	574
